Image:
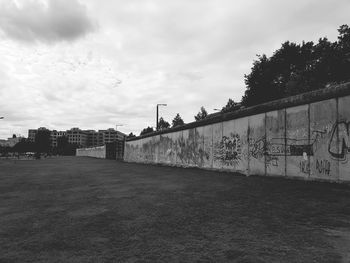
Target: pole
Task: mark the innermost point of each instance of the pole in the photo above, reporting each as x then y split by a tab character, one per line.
157	119
161	104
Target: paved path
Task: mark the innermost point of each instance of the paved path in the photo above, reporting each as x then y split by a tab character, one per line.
76	209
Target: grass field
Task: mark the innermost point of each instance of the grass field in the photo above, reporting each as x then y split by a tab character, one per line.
72	209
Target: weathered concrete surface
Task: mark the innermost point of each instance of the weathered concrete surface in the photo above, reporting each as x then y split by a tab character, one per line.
96	152
257	144
323	116
217	139
241	128
208	146
342	127
178	140
298	148
201	157
229	149
310	141
275	155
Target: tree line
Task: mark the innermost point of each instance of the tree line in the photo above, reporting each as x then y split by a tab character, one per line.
292	69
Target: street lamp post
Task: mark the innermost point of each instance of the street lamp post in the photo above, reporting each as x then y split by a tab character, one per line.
162	104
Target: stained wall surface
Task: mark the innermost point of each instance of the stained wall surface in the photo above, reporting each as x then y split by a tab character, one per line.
310	141
96	152
275	144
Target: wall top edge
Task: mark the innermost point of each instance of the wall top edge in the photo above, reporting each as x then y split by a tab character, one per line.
330	92
91	148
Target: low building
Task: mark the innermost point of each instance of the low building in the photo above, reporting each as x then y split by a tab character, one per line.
10	142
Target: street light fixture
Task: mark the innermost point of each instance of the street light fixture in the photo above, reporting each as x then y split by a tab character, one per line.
161	104
1	118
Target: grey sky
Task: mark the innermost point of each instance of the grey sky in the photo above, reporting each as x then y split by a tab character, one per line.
93	64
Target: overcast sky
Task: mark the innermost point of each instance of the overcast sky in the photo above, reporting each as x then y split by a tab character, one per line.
94	64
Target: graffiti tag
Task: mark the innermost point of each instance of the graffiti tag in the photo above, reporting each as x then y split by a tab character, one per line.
339	148
229	151
323	166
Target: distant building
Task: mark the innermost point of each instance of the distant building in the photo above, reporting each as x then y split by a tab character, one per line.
82	138
31	134
109	135
78	137
10	142
55	135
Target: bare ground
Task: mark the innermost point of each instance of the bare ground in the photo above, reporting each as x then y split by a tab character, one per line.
72	209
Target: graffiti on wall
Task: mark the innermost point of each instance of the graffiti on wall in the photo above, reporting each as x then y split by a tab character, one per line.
323	166
274	148
339	147
229	150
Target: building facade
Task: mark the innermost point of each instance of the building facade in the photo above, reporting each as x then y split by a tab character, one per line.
82	138
55	135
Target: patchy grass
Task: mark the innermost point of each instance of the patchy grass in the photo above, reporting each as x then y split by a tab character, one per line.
72	209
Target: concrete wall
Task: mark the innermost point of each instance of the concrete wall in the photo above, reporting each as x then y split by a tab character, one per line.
309	141
96	152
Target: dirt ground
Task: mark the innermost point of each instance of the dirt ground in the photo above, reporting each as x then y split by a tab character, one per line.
76	209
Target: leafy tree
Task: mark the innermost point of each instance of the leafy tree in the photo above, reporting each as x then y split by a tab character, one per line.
231	105
64	147
177	121
201	115
162	124
42	141
24	146
131	135
296	68
147	130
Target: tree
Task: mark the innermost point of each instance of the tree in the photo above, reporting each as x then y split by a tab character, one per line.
297	68
24	146
231	105
42	141
177	121
147	130
131	135
201	115
162	124
64	147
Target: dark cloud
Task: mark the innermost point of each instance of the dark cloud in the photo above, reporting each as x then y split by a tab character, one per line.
50	21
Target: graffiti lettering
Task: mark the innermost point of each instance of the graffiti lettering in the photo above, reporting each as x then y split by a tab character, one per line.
323	166
229	151
257	148
338	149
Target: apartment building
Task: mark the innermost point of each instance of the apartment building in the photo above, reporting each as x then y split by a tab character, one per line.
31	134
109	135
82	138
78	137
55	135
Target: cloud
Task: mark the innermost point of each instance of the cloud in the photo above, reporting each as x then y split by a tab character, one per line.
184	53
49	21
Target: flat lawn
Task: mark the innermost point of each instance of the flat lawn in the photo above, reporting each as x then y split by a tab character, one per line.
76	209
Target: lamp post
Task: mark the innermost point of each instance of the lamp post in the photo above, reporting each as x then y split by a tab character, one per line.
161	104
